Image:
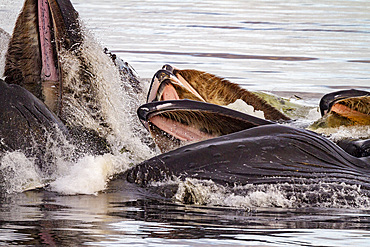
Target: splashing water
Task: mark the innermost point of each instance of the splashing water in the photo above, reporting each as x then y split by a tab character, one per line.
18	173
111	112
117	105
286	195
342	132
110	108
89	174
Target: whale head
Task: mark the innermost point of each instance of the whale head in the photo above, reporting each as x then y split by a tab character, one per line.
42	30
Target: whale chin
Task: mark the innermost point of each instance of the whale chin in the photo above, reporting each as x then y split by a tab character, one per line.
42	29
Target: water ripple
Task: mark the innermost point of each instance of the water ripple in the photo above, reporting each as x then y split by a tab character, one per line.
277	28
222	55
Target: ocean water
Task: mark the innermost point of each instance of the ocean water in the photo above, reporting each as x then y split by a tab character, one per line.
296	49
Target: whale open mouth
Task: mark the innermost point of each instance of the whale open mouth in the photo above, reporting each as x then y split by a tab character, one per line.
174	123
170	83
168	86
356	109
344	108
42	29
185	106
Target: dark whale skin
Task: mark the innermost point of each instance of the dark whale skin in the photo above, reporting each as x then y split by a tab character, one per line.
262	155
25	121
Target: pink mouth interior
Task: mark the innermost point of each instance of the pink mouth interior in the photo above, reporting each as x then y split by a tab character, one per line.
169	93
347	112
49	71
176	129
180	131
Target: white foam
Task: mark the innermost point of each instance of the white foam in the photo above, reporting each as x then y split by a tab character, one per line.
89	175
240	105
4	41
333	195
313	114
342	132
209	193
19	173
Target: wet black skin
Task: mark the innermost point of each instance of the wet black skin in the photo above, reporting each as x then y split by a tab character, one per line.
357	148
261	155
27	125
25	122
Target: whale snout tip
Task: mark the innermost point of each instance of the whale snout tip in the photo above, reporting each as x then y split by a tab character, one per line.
143	112
168	68
163	74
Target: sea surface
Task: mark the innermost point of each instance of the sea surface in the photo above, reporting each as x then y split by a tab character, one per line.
296	49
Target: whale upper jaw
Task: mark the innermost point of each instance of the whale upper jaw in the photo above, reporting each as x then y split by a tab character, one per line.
42	29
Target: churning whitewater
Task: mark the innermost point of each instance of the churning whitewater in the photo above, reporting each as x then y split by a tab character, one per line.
85	173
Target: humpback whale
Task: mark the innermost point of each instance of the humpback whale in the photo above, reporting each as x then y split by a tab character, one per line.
60	91
184	113
262	154
52	57
49	54
344	108
170	83
43	29
232	148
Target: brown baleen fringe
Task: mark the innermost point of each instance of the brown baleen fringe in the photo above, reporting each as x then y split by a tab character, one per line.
334	119
222	92
360	104
164	141
208	122
23	59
